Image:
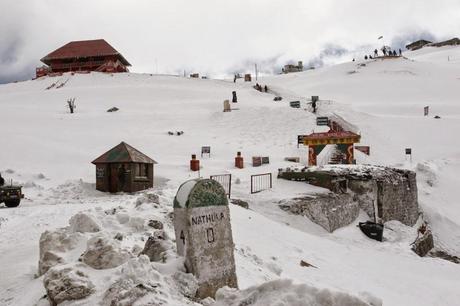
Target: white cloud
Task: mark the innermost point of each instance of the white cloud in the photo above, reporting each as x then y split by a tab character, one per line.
212	36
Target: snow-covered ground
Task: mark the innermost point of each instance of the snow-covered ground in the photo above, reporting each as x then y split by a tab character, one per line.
49	151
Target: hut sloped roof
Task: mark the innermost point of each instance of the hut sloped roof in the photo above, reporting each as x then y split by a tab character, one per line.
84	48
123	153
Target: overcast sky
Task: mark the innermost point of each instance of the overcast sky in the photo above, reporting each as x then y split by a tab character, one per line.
215	37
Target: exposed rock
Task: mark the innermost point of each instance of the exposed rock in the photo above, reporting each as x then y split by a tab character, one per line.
186	283
138	278
444	255
118	236
241	203
104	253
147	198
331	211
156	224
112	109
155	246
51	244
423	244
66	284
303	263
84	223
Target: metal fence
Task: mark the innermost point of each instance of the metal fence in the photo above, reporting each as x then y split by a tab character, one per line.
225	180
261	182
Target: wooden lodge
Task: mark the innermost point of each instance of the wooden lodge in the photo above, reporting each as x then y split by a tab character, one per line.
123	169
84	56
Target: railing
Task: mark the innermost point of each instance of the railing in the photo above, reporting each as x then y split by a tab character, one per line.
261	182
77	65
225	180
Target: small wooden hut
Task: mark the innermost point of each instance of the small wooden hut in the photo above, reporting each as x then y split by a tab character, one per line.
123	168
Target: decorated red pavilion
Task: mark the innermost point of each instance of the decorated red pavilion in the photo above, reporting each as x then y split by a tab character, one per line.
84	56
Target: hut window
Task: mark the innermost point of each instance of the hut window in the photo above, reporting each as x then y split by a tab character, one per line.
142	170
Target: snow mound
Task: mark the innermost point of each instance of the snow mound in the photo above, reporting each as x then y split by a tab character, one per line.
285	293
84	223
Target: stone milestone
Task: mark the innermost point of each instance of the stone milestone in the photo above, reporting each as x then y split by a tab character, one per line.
204	235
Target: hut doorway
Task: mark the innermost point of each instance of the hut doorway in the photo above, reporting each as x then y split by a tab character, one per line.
113	178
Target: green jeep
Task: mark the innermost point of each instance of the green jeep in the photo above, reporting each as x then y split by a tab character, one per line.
11	195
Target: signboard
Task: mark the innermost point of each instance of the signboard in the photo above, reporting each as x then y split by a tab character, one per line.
295	104
265	160
206	150
331	137
256	161
314	98
322	121
204	235
365	149
408	151
426	110
300	139
100	172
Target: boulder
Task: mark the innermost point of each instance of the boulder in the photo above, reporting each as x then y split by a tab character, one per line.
147	198
51	244
186	283
138	278
156	224
423	244
66	284
241	203
104	253
155	246
84	223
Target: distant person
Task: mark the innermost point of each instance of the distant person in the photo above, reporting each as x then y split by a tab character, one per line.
370	56
2	180
265	88
376	53
313	105
400	52
234	98
365	57
394	52
234	78
353	60
384	51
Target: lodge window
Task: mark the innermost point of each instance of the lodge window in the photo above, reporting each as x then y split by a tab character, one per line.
142	171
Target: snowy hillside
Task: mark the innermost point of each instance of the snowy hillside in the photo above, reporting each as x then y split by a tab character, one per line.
50	151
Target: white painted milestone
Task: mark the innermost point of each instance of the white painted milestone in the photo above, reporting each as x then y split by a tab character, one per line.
204	236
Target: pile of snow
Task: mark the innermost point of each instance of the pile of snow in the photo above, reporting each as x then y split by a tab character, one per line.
284	292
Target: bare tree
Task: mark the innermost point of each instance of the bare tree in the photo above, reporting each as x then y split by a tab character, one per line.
71	104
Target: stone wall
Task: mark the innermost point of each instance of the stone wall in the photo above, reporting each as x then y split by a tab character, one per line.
393	192
331	211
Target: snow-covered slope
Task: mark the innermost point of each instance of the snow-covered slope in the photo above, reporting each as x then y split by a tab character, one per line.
50	150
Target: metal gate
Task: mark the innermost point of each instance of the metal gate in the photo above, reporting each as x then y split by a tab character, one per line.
261	182
225	180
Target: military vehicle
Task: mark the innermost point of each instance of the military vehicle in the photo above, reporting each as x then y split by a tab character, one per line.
11	195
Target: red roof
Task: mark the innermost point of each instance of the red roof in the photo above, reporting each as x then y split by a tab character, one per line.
84	48
123	153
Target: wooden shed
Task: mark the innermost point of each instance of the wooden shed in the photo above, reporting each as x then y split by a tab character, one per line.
123	168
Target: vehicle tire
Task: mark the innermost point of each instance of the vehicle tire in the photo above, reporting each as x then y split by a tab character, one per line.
12	203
